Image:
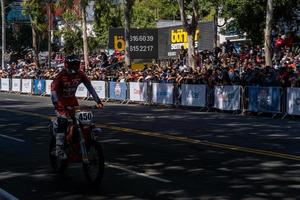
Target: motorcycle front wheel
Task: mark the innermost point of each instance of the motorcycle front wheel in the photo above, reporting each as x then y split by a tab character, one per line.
94	170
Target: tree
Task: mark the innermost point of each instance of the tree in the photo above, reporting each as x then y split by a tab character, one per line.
250	15
3	33
4	5
145	13
268	48
190	26
127	12
71	33
83	5
107	15
36	11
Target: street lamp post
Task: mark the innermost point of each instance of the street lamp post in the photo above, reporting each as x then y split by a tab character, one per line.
3	34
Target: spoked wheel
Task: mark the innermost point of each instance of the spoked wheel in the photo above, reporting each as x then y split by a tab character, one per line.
95	169
58	165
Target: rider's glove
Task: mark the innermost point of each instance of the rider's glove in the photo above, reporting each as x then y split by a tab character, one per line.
100	105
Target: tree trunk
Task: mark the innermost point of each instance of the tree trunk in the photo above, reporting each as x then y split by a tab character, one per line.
216	16
34	44
3	34
191	49
127	27
49	34
190	28
84	37
268	48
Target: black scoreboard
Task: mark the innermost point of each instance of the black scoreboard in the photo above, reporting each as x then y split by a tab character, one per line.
143	43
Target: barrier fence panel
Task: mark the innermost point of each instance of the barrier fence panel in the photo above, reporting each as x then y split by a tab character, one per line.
27	86
260	99
5	84
162	93
16	85
81	91
117	90
264	99
193	95
39	87
48	87
293	101
227	97
138	91
100	89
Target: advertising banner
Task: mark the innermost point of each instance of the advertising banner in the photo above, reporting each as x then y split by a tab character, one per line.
26	86
117	90
5	84
264	99
227	98
39	86
16	85
162	93
193	95
48	87
138	91
99	87
81	91
293	101
142	42
171	39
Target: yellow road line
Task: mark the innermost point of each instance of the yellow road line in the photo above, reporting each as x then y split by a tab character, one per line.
178	138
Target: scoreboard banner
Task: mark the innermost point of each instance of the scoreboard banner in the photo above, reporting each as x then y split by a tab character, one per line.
143	43
171	39
161	43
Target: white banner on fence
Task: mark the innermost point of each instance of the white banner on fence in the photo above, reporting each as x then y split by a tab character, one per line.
138	91
163	93
16	85
26	86
293	101
193	95
99	87
5	84
227	97
48	87
81	91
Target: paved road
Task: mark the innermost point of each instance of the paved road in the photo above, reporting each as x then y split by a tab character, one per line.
153	153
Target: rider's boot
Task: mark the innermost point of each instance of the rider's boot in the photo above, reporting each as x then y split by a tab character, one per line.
60	152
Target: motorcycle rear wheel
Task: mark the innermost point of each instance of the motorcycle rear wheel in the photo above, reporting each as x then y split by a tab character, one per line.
59	166
94	171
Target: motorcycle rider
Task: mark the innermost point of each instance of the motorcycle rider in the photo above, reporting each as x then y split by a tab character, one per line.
63	89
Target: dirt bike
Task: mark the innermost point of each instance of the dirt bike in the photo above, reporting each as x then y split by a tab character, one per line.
81	145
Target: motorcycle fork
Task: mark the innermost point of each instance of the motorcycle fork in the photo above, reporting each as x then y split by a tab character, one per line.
84	154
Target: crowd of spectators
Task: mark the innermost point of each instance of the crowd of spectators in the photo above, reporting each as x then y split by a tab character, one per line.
225	65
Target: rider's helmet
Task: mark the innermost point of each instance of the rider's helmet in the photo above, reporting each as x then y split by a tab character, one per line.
72	63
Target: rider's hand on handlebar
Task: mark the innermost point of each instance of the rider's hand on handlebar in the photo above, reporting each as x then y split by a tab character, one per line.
100	105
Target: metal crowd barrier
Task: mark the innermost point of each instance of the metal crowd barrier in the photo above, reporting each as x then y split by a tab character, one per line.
274	100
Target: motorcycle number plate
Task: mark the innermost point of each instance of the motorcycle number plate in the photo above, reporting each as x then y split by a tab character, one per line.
84	117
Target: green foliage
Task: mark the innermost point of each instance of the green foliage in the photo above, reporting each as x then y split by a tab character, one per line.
37	12
107	15
250	15
144	15
71	33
